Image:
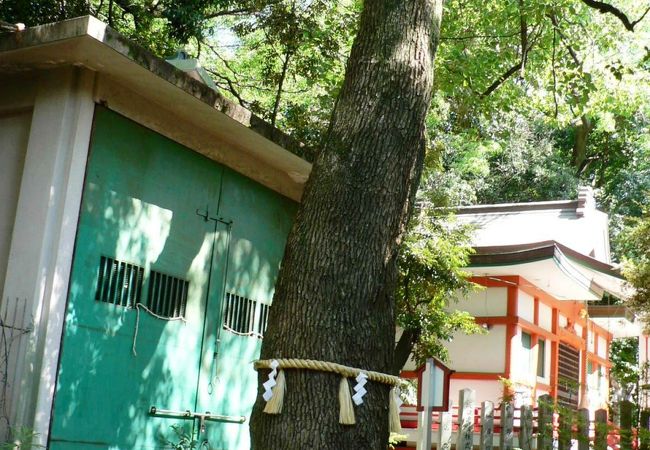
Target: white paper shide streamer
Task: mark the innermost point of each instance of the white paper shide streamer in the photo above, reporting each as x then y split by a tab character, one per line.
393	408
274	390
268	385
396	393
359	389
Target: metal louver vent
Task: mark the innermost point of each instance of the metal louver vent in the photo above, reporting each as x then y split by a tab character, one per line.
568	375
118	283
245	316
167	296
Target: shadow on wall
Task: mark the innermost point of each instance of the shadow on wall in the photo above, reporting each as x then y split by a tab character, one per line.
99	372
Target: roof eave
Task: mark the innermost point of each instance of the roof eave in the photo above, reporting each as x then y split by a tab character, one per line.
566	260
517	207
519	253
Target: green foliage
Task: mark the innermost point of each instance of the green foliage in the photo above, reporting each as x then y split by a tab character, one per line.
508	390
284	59
636	244
525	131
395	438
160	26
44	11
22	438
508	158
570	48
183	440
624	373
432	257
532	99
286	62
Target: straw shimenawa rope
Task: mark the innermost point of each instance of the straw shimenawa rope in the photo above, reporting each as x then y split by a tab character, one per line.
346	411
323	366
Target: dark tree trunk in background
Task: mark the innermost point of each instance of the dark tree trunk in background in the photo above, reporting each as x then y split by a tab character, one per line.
334	296
403	349
579	157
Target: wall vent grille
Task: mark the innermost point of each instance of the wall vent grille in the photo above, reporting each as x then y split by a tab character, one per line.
118	282
244	316
167	295
568	375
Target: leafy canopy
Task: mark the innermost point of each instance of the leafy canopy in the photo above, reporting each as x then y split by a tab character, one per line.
532	99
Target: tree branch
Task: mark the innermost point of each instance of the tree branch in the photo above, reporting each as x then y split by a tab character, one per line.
563	38
478	36
134	10
554	74
579	155
403	349
606	8
585	127
499	81
155	11
230	86
230	12
110	13
523	36
525	48
283	76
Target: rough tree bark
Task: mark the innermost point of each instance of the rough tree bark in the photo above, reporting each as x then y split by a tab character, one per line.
334	295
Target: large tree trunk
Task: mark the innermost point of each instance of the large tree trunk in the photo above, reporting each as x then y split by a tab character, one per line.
334	295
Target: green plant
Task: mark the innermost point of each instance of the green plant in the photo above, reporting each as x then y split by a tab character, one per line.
22	438
508	390
395	438
184	440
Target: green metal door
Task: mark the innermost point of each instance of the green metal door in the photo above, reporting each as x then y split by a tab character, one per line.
165	236
261	220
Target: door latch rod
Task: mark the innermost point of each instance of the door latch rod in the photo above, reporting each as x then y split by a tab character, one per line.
187	414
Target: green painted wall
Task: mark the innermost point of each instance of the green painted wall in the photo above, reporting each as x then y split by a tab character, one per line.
140	203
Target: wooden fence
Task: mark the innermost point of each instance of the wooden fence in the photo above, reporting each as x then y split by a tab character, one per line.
467	426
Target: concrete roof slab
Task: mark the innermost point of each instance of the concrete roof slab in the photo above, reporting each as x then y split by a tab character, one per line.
90	43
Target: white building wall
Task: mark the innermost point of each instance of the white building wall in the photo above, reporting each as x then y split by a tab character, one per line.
526	306
491	390
590	341
485	302
602	347
14	133
478	353
597	388
523	395
545	317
